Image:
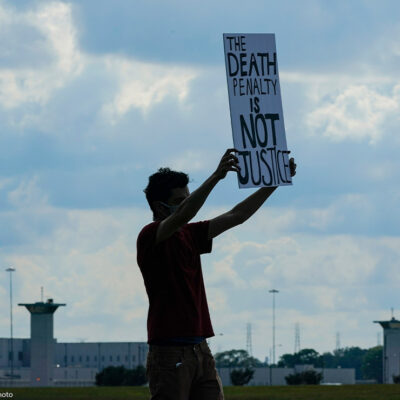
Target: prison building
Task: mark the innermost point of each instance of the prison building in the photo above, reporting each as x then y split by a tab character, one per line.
391	349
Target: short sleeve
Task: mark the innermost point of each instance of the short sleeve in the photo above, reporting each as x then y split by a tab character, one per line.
199	234
145	242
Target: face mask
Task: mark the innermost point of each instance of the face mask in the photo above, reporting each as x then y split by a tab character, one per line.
172	209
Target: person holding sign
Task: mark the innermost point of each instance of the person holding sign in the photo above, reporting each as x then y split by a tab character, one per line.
180	365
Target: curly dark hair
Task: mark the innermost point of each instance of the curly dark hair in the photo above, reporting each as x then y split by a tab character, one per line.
161	184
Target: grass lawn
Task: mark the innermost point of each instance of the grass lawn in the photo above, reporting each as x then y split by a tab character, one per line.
348	392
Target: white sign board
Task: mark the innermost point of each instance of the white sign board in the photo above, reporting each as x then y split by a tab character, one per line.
256	109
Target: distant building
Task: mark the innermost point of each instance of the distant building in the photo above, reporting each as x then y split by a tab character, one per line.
391	349
42	342
41	361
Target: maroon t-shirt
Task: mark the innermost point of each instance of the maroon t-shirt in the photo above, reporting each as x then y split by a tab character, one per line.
174	281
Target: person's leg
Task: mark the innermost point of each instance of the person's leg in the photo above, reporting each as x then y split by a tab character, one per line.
207	385
170	371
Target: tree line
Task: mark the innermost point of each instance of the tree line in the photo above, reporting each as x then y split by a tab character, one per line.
366	362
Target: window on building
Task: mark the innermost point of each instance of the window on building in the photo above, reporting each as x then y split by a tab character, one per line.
20	356
102	358
126	358
80	358
133	358
72	359
110	358
118	358
87	358
95	358
65	359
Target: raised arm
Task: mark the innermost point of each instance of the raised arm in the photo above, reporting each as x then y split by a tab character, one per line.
189	207
244	210
240	213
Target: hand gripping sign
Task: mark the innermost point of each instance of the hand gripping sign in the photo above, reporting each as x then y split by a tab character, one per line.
256	109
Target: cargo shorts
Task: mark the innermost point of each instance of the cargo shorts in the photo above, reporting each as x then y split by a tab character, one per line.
185	372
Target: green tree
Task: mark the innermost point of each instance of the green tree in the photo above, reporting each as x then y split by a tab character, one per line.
236	358
372	367
121	376
309	356
305	356
288	360
328	360
111	376
349	357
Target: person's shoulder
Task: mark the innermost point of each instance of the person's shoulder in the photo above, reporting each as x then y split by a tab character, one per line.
148	230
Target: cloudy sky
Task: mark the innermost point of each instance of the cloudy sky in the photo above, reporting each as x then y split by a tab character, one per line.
96	95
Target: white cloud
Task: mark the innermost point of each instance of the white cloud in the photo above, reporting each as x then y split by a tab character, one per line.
4	182
326	283
27	195
224	273
356	113
136	84
88	260
190	160
142	85
52	23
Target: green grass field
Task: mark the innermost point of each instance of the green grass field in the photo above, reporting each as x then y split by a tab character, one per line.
350	392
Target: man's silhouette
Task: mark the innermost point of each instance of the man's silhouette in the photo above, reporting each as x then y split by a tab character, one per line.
180	365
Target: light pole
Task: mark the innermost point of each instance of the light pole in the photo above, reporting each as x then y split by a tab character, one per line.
273	291
270	365
11	270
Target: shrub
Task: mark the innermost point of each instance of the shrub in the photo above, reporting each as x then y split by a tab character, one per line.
135	377
312	377
121	376
111	376
294	379
304	378
396	378
240	377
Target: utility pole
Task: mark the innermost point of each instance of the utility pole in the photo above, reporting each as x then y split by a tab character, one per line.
249	346
297	338
11	270
273	291
338	347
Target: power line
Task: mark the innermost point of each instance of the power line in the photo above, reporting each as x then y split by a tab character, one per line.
379	340
249	346
297	338
338	347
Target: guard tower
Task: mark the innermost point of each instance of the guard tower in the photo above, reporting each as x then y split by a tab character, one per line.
391	349
42	341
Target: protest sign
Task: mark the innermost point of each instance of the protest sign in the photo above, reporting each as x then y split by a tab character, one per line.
256	109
